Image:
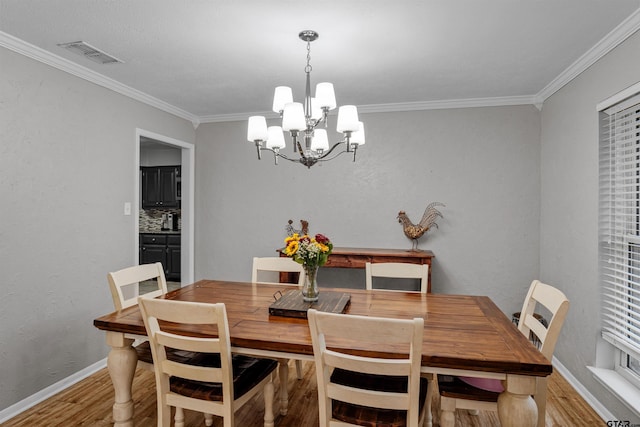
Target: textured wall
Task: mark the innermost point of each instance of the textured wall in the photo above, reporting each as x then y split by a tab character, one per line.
67	150
569	201
483	163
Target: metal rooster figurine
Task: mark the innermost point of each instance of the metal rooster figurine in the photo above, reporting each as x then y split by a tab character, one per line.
304	228
415	231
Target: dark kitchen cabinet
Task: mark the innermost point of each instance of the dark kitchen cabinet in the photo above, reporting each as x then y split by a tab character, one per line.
173	257
160	186
162	248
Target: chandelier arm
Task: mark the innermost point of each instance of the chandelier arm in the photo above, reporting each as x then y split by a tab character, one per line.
323	159
278	154
330	150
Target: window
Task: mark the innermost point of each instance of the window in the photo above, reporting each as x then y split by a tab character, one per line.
619	230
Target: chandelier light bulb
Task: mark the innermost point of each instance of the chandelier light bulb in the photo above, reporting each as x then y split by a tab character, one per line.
325	95
357	137
347	119
281	97
293	117
320	142
275	139
257	129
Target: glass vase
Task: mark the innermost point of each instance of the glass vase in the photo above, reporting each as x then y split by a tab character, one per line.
310	289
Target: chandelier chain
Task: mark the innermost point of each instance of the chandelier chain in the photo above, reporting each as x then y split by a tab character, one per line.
308	68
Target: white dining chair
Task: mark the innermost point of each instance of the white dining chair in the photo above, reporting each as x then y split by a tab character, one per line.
403	270
216	382
482	394
397	270
124	286
368	390
274	266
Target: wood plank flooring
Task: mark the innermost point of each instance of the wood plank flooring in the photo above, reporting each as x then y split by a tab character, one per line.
88	403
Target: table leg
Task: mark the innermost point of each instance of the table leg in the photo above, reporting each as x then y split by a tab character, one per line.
283	371
121	363
516	407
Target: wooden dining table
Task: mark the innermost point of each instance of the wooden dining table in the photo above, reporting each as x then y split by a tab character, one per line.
463	335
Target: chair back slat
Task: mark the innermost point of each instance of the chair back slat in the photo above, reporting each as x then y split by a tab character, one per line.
368	365
200	345
129	278
371	398
397	270
276	265
192	372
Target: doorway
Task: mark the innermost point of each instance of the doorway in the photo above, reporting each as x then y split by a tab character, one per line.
150	145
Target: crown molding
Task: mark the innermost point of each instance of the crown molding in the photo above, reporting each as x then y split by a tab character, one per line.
236	117
448	104
396	107
20	46
619	34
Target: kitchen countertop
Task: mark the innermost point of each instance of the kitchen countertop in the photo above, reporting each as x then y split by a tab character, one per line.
156	231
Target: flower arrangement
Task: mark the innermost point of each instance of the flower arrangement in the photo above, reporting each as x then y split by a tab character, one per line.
310	252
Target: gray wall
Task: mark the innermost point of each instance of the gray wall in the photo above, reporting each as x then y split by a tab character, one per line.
483	163
520	188
569	202
67	150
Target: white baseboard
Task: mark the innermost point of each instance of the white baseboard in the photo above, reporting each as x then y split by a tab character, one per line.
582	391
47	392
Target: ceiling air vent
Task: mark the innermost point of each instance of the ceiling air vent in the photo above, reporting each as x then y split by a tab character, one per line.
90	52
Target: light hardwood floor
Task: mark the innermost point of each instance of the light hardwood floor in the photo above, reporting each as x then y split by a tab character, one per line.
88	403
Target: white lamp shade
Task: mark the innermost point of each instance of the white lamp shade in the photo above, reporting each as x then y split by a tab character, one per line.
293	117
357	137
325	95
320	140
316	111
275	138
347	119
257	129
281	97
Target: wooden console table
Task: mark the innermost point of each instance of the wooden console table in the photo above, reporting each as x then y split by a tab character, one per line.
358	257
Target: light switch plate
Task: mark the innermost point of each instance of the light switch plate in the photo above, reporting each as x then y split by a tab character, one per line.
127	208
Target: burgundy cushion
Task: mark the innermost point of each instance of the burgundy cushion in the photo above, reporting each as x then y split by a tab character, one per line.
484	383
452	386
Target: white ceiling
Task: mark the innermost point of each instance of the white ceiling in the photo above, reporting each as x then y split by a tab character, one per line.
208	60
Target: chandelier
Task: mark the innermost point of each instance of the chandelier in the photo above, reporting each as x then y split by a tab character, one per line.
302	121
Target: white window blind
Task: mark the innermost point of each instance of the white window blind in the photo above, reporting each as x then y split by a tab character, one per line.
619	227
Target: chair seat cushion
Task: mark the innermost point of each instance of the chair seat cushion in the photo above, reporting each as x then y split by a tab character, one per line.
454	387
484	383
367	416
247	373
144	354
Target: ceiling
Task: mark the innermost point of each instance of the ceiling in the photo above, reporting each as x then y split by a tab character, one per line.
211	60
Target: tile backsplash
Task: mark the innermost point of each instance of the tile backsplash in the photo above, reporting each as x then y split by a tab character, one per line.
151	219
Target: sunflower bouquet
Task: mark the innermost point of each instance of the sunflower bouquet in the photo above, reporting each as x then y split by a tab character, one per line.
311	252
